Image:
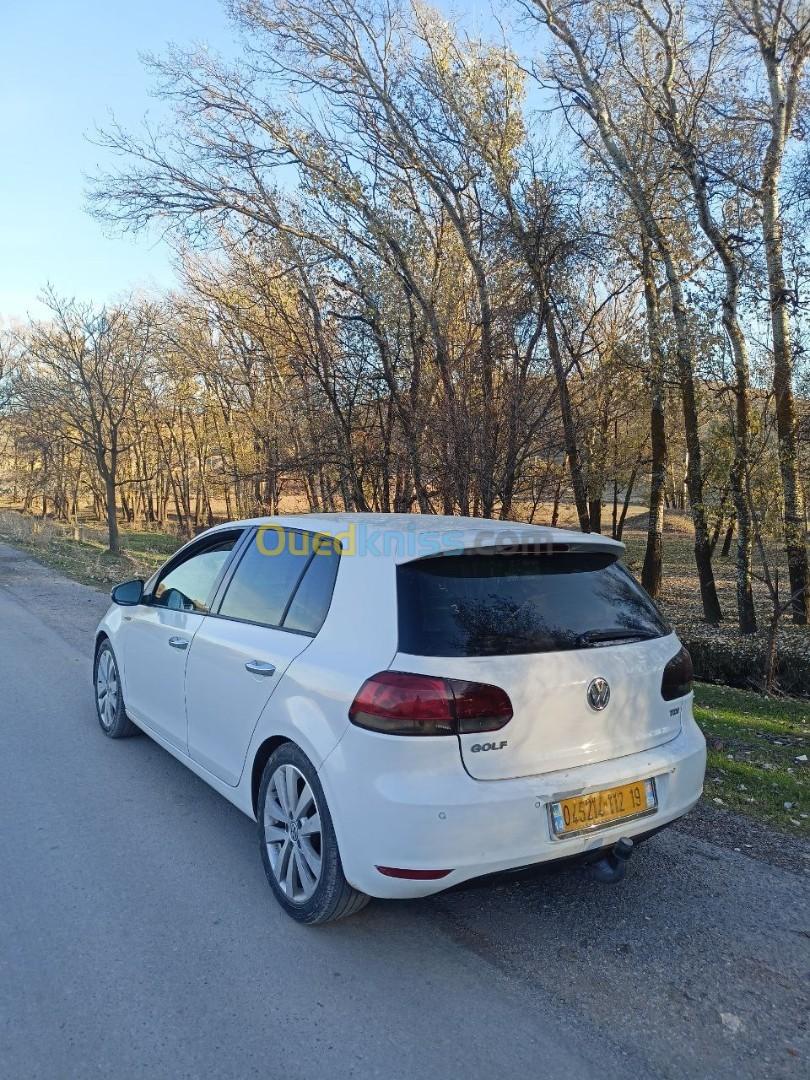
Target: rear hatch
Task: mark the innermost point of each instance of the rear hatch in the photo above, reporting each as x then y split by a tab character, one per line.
542	624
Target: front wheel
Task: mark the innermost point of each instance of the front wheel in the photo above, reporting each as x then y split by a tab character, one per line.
298	844
110	709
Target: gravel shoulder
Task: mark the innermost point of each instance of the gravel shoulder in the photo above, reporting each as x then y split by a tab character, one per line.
741	834
138	937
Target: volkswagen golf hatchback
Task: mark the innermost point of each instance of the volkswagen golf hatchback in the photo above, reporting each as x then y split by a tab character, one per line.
405	702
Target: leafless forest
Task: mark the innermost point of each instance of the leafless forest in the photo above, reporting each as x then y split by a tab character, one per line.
555	257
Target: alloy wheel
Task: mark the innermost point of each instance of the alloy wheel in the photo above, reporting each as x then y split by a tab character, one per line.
292	833
107	688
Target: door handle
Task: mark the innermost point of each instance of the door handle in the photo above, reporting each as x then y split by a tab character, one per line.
259	667
178	642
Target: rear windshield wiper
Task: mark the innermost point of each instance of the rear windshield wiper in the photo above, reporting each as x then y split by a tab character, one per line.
593	637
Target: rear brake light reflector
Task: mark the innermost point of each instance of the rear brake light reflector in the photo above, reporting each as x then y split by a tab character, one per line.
402	703
413	875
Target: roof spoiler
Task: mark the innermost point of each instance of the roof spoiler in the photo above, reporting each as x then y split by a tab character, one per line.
520	545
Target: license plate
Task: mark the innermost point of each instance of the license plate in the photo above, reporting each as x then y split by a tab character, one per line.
581	813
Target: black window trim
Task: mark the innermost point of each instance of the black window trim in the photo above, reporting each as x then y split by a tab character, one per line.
189	551
233	566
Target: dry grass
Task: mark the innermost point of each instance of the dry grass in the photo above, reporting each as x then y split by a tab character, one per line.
87	559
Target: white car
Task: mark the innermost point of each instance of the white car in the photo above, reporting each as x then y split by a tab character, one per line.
407	702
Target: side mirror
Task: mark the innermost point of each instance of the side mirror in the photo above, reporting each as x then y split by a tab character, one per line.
128	593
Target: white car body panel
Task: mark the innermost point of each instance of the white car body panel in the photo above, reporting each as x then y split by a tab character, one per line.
223	699
156	672
553	726
398	801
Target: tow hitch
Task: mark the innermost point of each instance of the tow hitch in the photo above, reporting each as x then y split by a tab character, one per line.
612	866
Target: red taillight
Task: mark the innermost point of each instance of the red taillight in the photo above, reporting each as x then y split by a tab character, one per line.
479	706
399	703
678	675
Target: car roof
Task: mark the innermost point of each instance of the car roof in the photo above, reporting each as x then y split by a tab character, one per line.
404	537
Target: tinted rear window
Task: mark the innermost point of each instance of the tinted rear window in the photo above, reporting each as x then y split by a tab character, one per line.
266	577
285	579
314	593
502	604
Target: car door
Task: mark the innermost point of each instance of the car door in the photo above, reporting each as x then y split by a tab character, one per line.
160	630
272	605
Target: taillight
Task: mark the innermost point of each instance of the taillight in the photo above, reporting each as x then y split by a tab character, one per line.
678	675
399	703
479	706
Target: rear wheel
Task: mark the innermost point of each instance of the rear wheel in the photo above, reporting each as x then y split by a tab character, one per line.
109	696
298	844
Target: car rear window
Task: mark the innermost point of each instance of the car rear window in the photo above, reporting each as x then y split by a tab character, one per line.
313	596
482	604
284	579
265	578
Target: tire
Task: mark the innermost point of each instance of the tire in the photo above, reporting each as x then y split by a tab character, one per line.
300	853
112	716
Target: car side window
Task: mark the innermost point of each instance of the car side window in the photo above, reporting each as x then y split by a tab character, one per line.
267	575
189	586
313	596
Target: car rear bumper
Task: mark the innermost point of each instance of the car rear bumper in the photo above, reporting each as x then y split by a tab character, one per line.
421	811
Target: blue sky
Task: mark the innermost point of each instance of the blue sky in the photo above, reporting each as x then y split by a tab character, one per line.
63	65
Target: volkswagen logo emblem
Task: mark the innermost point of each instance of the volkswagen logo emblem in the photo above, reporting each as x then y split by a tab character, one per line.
598	694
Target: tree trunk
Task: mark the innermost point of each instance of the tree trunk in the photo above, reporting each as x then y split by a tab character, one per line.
795	535
739	469
555	510
783	104
726	549
114	543
694	474
595	514
628	494
569	429
651	571
721	517
721	520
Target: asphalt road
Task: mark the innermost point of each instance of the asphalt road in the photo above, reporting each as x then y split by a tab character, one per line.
138	937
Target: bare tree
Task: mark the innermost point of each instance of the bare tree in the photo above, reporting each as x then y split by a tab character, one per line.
781	33
581	85
675	84
84	368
